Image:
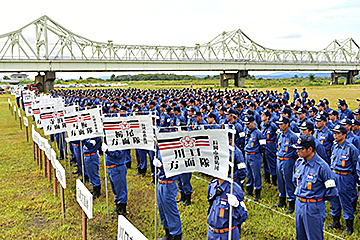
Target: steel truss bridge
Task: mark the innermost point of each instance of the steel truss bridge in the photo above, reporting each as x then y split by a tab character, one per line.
45	46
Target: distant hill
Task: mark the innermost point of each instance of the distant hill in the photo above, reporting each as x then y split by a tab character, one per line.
291	74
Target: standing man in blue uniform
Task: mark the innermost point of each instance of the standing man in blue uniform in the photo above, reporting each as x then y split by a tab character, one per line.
220	200
314	184
304	95
296	95
324	135
286	95
115	163
344	111
240	165
91	163
344	157
286	156
254	148
270	131
168	211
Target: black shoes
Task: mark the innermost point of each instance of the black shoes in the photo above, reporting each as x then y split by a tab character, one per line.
281	203
257	194
182	197
291	208
187	201
96	192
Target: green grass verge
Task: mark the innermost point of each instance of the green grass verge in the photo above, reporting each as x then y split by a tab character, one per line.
30	210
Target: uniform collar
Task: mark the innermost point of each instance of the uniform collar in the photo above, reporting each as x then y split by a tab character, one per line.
312	161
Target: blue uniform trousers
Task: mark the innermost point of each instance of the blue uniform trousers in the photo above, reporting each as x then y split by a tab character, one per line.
286	187
270	159
60	140
253	167
310	218
151	159
92	168
223	236
345	185
168	211
184	183
128	155
77	152
117	176
141	157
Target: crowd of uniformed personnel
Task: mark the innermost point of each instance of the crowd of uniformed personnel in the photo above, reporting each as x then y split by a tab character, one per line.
307	150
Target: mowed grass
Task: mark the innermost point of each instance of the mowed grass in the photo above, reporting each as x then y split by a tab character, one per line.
30	210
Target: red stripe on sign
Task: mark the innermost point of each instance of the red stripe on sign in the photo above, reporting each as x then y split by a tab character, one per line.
108	129
168	144
111	125
202	141
168	148
202	145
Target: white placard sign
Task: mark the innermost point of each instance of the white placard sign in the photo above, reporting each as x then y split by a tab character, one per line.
47	150
84	124
205	151
60	174
42	143
53	157
84	198
9	101
19	113
14	108
129	132
28	98
52	121
26	122
127	231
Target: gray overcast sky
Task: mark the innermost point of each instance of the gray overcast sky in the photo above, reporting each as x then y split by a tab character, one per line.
279	24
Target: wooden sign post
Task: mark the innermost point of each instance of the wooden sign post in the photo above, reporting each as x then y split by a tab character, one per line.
19	115
26	124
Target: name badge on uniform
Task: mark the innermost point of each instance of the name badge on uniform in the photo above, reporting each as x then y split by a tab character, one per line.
223	202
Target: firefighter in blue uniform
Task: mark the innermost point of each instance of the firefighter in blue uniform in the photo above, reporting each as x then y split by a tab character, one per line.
286	156
296	95
91	163
344	157
254	148
168	211
270	131
115	163
240	132
314	183
286	94
220	199
324	135
304	95
344	111
239	164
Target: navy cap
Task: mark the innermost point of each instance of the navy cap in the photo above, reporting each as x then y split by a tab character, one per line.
270	106
231	111
212	115
163	105
339	128
283	120
313	109
198	114
320	117
325	101
357	111
152	103
346	121
321	104
249	112
305	141
306	125
266	113
333	112
191	109
112	106
355	122
122	108
177	109
286	110
284	88
168	109
248	119
341	102
223	109
301	110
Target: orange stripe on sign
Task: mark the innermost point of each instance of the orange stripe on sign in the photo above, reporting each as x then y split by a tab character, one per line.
309	185
222	211
343	163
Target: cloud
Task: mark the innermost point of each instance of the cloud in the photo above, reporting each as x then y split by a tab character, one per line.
291	35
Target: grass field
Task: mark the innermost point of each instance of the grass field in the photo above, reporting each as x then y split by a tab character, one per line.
30	210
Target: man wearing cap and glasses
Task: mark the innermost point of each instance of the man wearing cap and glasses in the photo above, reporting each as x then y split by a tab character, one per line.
314	184
344	157
286	156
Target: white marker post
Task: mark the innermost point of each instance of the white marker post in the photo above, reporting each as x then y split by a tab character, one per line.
9	101
26	124
19	115
61	176
85	200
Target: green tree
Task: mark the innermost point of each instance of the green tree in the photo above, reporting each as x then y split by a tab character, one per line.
6	78
296	76
311	77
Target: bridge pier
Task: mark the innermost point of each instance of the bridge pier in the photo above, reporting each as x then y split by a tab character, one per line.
45	82
349	76
239	78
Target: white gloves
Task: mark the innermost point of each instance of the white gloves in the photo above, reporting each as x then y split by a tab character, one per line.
157	163
232	200
93	142
104	147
